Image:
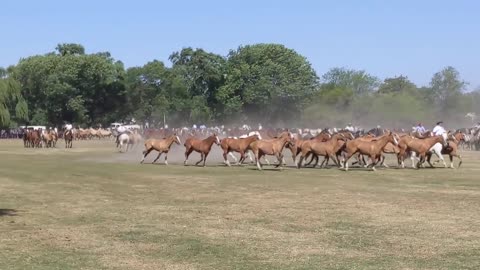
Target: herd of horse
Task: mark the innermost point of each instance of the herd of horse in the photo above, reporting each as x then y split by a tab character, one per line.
336	146
40	138
339	147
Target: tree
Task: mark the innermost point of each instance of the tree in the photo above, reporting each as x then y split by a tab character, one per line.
71	49
397	85
203	74
73	87
266	82
359	81
447	90
13	107
146	90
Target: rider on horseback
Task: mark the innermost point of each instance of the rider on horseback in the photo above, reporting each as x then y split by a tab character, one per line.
438	129
349	127
420	128
120	130
68	129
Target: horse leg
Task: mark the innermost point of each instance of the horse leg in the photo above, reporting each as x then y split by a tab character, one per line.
363	160
334	158
422	160
443	160
311	159
460	158
201	159
250	156
155	160
225	160
374	162
145	154
382	161
266	160
345	161
429	157
317	159
413	155
166	158
258	156
280	160
242	158
205	158
188	151
299	164
324	162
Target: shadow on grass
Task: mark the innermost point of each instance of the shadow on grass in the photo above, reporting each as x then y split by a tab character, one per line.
7	212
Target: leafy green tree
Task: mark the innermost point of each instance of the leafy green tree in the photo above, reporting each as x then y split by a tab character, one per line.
359	81
446	84
72	86
70	49
267	82
202	72
447	94
397	85
146	90
13	108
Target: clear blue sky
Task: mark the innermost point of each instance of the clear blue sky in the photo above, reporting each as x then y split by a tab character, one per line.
385	38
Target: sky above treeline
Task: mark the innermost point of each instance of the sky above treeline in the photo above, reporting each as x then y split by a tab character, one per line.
385	38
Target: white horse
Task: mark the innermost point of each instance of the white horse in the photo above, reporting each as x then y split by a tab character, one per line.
123	142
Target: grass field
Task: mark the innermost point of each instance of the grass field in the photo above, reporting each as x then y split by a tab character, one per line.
92	208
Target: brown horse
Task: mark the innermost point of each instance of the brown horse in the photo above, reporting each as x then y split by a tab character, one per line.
296	149
48	138
26	138
161	146
229	145
373	148
272	147
201	146
35	138
68	137
422	146
327	149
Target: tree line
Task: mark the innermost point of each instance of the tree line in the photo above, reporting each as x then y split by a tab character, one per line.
260	83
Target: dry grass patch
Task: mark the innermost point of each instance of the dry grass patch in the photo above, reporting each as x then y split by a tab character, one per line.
84	210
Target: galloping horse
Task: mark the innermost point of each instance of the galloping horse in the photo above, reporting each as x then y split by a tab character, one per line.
123	139
296	147
422	146
161	146
327	149
373	148
230	145
201	146
271	147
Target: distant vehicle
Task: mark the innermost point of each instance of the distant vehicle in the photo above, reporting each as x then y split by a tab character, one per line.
130	127
34	127
115	125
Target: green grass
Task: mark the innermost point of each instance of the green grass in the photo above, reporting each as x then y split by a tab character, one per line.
92	208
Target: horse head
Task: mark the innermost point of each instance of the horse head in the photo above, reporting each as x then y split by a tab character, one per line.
392	137
176	138
217	140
